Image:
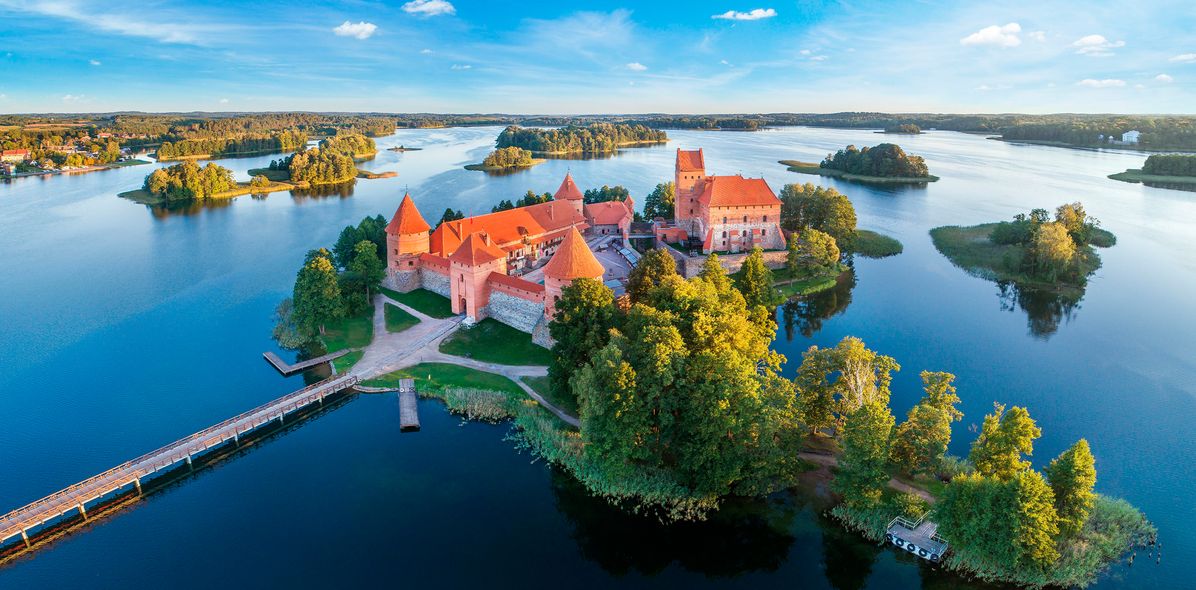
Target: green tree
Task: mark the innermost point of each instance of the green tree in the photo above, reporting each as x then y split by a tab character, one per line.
714	273
824	209
450	215
817	250
259	181
1036	524
1052	250
1008	523
367	266
921	441
655	265
508	157
1073	477
862	478
606	193
1004	438
660	201
861	376
581	325
754	280
940	393
317	296
815	393
793	257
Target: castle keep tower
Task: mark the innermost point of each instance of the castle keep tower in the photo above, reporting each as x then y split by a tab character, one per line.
690	179
573	260
406	239
470	267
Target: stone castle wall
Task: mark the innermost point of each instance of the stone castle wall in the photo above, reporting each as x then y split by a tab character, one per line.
403	281
540	333
517	312
690	266
436	282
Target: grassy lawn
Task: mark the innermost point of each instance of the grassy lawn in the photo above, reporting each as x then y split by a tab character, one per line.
273	175
800	283
495	342
870	244
424	301
346	362
398	320
815	168
439	376
351	332
565	402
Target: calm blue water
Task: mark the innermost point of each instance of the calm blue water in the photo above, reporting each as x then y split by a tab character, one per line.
126	328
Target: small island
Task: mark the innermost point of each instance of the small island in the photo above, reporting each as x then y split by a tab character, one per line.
1032	250
885	163
1177	171
188	181
403	148
507	159
333	162
596	138
903	129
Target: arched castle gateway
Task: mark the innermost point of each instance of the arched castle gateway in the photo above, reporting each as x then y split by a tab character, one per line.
474	262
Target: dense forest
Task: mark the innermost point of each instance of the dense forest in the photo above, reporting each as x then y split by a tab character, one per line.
352	144
283	141
188	181
909	128
1170	165
319	166
886	160
593	138
509	157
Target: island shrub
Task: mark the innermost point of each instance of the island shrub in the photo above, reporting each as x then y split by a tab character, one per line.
593	138
188	181
321	166
885	160
508	157
909	128
351	144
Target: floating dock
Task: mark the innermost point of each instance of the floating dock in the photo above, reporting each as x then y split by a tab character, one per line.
408	408
289	370
919	538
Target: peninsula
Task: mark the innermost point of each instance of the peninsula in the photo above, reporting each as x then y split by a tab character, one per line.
1176	171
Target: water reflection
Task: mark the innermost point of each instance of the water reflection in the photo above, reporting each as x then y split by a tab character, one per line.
1178	186
805	315
1046	310
188	208
319	191
743	536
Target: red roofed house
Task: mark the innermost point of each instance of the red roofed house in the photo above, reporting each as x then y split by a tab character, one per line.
471	261
14	155
728	213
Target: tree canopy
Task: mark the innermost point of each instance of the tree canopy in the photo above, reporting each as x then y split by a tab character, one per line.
824	209
659	202
508	157
188	181
886	160
1004	438
1072	476
593	138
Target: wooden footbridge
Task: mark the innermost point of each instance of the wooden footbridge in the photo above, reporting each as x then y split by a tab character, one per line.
288	370
76	497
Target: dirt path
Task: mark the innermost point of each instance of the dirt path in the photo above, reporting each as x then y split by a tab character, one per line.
828	461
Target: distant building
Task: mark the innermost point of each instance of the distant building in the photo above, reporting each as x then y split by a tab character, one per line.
14	155
727	213
1130	136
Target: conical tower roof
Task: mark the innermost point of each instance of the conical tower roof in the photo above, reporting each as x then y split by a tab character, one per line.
573	260
407	219
568	190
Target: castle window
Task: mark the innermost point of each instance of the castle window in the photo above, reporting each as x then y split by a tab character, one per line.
764	232
765	219
745	218
724	234
410	263
724	220
396	250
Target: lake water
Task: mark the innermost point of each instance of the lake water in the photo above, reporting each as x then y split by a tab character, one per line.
125	328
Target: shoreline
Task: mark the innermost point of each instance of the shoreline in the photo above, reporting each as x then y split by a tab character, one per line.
814	169
143	197
1136	176
484	168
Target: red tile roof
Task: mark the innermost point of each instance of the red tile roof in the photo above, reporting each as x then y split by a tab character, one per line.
609	212
568	190
690	161
737	191
515	282
508	227
407	219
476	250
573	260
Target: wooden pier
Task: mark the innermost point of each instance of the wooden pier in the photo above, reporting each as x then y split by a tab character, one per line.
408	408
920	538
76	497
289	370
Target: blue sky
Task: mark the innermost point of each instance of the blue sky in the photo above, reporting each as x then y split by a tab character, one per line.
598	57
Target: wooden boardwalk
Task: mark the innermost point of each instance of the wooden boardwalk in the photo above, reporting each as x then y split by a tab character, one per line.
76	497
289	370
408	408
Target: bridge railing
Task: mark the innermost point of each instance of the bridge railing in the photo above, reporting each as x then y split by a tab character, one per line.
167	455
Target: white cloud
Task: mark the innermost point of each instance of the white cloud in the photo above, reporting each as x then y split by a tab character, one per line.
3	96
636	66
73	97
805	52
224	101
460	67
429	7
1185	58
724	62
358	30
1000	36
118	23
1039	36
425	51
94	62
818	58
1096	46
1164	78
754	14
1106	83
